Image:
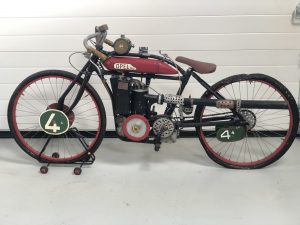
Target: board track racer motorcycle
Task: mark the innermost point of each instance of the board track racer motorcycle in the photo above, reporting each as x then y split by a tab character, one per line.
244	121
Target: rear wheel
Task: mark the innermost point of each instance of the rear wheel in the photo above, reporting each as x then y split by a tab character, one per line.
269	133
40	92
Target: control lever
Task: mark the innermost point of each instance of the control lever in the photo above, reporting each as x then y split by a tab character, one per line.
101	28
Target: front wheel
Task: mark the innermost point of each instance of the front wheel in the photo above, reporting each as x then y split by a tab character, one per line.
269	133
40	92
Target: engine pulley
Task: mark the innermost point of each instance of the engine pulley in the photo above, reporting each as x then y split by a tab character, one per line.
136	127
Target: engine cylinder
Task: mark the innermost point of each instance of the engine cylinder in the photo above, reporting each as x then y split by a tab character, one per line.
121	93
129	96
138	101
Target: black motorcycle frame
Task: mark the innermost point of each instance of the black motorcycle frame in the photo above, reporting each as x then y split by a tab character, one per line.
92	66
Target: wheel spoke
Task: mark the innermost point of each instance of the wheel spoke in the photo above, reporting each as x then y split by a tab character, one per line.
43	92
269	127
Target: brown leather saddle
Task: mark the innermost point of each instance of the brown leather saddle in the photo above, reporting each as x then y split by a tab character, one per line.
198	66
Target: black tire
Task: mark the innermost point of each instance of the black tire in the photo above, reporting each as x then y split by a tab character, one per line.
23	140
288	132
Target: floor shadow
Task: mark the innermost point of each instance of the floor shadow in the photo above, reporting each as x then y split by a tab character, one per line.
116	152
184	150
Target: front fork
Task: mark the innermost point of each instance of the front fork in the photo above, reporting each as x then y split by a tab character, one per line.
87	70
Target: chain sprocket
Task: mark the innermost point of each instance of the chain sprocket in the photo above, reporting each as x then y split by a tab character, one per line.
163	126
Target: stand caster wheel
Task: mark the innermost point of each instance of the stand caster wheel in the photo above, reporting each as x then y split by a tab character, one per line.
55	155
44	169
77	170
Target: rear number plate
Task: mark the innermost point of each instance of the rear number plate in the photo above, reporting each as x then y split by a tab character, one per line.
231	134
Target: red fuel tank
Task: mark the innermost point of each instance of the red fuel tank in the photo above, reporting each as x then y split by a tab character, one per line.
138	65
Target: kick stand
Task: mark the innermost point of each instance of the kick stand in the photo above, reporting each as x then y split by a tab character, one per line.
157	142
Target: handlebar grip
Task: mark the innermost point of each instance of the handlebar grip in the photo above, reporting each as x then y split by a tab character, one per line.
97	53
109	42
100	55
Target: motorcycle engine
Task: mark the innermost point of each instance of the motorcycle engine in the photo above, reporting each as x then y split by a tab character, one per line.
128	95
130	106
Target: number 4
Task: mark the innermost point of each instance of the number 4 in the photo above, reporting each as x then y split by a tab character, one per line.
54	128
226	134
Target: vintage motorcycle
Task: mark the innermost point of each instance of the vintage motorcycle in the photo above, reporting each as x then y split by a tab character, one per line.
245	121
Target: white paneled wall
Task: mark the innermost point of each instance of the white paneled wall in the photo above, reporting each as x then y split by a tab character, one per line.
239	36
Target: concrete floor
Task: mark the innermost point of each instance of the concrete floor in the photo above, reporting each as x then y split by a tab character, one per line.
131	184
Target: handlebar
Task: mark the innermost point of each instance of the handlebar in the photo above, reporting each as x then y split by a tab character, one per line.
109	42
85	41
100	36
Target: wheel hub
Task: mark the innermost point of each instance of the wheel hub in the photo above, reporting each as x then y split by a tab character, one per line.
56	122
250	118
136	127
71	115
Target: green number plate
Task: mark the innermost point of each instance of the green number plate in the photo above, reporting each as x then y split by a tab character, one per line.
54	122
231	134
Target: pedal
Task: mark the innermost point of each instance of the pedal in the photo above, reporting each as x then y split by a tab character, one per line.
157	142
156	147
187	110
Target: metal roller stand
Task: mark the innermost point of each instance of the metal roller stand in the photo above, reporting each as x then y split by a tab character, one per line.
87	159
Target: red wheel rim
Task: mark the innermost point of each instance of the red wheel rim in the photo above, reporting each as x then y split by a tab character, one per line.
257	162
36	152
